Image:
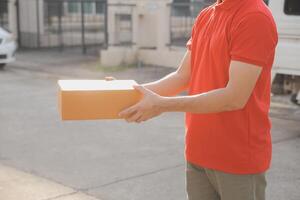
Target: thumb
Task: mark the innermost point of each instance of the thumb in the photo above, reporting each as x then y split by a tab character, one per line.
141	89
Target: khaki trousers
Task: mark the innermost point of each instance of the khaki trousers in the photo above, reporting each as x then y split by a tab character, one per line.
206	184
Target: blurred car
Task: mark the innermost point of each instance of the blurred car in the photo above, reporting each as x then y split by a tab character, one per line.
8	47
287	16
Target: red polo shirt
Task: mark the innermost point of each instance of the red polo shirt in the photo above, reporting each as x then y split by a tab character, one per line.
236	142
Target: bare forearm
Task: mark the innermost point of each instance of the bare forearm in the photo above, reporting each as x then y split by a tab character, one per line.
170	85
236	94
175	82
215	101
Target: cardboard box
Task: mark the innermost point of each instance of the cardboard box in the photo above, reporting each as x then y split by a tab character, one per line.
95	99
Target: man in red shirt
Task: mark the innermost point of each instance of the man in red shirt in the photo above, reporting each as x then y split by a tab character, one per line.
226	70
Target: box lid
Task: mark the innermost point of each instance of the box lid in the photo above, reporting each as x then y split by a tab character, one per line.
95	85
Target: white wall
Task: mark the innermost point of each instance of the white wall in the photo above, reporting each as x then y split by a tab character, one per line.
151	36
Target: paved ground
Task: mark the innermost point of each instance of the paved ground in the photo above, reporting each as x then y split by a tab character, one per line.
110	160
16	185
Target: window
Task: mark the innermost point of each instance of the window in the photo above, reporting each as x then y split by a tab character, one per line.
267	2
292	7
124	29
88	7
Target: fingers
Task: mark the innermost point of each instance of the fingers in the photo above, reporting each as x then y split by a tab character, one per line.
134	118
132	114
109	78
141	119
128	112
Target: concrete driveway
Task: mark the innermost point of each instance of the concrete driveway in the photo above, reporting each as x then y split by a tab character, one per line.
113	160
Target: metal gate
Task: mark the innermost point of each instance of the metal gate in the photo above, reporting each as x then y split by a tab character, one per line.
4	5
62	24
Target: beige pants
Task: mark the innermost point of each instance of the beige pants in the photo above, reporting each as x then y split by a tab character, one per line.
206	184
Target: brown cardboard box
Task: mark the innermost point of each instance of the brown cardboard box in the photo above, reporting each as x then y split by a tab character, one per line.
95	99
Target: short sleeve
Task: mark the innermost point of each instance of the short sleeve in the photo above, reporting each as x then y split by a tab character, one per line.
253	40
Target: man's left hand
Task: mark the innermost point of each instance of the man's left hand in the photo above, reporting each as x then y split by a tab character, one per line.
149	107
